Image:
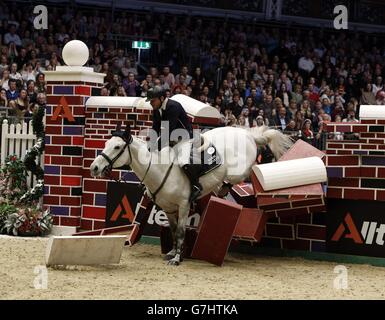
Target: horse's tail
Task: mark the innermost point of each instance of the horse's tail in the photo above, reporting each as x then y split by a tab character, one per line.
278	142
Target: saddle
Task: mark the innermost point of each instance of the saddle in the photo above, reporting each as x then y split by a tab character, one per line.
209	159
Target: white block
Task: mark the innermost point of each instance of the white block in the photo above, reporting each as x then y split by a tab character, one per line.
292	173
84	250
62	231
372	112
196	108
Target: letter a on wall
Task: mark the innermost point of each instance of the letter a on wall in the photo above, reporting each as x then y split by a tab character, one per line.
63	110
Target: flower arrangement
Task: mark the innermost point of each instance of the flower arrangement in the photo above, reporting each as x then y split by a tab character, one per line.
26	221
20	214
13	182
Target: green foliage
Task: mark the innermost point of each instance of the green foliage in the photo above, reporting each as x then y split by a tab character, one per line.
13	182
30	158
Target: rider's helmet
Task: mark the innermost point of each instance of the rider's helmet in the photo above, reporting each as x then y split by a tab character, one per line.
155	92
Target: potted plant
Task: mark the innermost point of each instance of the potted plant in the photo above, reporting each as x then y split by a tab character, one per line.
28	222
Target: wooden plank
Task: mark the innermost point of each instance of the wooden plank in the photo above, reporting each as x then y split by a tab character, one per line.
84	250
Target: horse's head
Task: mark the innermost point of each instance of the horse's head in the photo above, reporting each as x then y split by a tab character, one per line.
116	153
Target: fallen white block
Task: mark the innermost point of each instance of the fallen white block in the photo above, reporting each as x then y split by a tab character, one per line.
84	250
372	112
291	173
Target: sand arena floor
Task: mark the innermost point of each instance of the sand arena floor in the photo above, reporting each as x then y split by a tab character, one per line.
142	274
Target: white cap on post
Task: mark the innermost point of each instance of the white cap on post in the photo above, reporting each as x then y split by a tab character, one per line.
75	55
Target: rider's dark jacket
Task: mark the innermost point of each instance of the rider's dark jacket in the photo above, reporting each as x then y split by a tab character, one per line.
176	117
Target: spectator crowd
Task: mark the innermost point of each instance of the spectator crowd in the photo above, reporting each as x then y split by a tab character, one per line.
293	79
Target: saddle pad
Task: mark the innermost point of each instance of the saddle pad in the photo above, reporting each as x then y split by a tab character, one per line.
210	160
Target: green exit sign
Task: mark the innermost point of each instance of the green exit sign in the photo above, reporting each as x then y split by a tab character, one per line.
141	45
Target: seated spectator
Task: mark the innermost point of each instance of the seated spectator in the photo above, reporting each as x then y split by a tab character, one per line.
236	105
12	92
131	85
4	82
40	83
282	119
380	98
242	122
350	117
3	99
307	132
104	91
13	72
230	119
293	108
367	95
284	94
31	91
4	63
186	79
12	36
259	121
120	92
28	73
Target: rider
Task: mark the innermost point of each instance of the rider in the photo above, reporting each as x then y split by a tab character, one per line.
172	111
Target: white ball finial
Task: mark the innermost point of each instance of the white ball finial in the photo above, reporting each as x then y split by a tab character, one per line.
75	53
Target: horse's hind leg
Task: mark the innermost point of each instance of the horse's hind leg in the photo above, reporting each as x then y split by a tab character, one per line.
173	225
180	233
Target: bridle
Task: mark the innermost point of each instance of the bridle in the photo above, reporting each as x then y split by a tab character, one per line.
128	140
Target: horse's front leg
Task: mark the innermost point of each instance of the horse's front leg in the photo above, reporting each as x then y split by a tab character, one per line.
173	225
184	210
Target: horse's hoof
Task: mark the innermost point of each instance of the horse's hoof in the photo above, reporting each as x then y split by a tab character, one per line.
173	262
168	257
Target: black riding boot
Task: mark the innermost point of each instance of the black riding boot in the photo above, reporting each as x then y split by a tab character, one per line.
192	172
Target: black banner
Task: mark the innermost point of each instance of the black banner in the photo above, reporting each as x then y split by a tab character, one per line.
122	200
356	227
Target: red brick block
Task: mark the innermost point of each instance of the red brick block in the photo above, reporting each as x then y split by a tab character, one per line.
99	224
311	232
381	173
343	160
94	212
77	161
50	149
51	199
344	182
64	160
75	211
359	194
368	172
70	201
71	181
335	193
96	144
71	171
86	224
353	172
61	140
275	230
47	159
95	185
59	190
380	195
77	141
251	224
78	111
215	232
87	198
70	221
51	180
83	90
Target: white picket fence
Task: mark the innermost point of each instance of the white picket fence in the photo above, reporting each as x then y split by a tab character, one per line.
17	140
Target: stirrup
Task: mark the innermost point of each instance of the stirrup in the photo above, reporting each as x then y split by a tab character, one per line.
195	192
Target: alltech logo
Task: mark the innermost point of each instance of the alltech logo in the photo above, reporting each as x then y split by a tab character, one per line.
356	227
371	232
